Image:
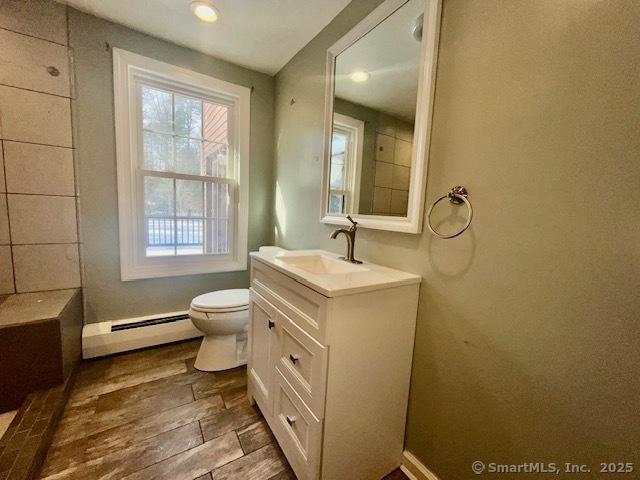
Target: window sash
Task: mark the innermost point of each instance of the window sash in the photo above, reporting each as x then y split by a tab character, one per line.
230	213
173	90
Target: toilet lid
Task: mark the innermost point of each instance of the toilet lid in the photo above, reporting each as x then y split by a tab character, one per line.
222	300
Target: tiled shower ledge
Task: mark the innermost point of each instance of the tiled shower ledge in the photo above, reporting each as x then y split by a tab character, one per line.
24	445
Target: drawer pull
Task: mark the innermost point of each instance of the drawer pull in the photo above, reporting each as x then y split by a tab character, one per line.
271	324
294	358
291	420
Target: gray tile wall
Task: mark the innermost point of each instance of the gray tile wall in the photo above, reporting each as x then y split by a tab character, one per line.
394	140
39	247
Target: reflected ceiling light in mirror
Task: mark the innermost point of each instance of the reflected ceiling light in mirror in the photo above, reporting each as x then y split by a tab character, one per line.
360	76
204	10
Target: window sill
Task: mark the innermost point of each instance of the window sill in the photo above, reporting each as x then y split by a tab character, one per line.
178	266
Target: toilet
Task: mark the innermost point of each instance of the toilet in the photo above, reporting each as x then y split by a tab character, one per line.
223	317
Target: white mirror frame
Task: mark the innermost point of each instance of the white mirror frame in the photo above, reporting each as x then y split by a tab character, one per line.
412	223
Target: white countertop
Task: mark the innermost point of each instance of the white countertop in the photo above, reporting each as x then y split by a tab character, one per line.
368	278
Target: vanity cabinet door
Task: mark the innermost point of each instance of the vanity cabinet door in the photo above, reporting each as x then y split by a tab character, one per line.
262	341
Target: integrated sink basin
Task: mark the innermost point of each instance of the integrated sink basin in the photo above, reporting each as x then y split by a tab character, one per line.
326	273
321	264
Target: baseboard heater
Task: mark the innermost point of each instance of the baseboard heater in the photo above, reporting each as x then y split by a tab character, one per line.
115	336
148	323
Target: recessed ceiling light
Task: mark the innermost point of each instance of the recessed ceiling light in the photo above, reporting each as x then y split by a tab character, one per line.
360	76
204	10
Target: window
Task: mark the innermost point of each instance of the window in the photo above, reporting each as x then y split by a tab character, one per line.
346	164
183	146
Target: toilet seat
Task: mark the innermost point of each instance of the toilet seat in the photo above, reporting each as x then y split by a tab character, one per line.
222	301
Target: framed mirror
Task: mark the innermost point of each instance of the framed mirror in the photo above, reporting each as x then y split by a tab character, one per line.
380	81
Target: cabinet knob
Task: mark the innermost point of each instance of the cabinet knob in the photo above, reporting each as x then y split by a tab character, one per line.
291	420
271	324
294	358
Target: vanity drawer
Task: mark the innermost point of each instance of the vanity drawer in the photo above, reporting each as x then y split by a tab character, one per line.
303	362
304	306
298	431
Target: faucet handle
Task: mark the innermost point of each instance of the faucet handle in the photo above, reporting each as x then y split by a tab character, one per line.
353	222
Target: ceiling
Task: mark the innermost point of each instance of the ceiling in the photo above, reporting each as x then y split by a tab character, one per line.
392	57
259	34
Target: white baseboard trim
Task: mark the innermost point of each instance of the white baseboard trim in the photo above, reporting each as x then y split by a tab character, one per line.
414	469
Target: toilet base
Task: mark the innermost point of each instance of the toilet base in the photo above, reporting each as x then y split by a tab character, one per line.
221	352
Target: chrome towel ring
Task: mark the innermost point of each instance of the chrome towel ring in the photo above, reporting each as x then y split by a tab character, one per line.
457	195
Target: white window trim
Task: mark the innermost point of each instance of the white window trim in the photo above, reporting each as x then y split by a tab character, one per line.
128	70
354	170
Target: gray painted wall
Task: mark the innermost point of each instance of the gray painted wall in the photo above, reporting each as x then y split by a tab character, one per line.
106	297
527	336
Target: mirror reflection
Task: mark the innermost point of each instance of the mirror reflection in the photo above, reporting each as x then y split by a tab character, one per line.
374	109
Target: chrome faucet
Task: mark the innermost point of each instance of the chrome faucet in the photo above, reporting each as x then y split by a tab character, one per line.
351	240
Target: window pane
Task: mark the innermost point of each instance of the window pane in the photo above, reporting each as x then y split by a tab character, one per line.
157	152
189	198
338	150
158	196
217	211
336	203
216	126
188	116
337	175
157	111
189	210
216	160
188	156
160	236
159	219
190	236
339	144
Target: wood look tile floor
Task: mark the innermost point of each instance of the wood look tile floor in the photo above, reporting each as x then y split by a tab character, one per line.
150	415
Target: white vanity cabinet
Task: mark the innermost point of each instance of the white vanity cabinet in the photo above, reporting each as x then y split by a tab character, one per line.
330	362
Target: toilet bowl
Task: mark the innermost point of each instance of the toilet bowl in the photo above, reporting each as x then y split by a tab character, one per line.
223	317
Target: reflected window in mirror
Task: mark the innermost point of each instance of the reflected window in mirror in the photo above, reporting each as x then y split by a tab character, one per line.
338	191
346	164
